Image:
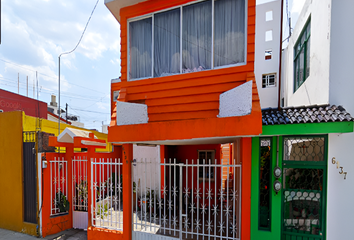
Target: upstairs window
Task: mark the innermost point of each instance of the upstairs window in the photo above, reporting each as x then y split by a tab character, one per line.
190	38
268	80
302	57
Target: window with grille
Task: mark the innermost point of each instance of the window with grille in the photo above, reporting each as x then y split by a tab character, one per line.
302	56
304	149
268	80
206	160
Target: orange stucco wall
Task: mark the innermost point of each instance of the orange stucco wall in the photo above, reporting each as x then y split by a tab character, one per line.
183	96
11	175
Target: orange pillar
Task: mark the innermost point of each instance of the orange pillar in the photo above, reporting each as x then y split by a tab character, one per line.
246	157
127	190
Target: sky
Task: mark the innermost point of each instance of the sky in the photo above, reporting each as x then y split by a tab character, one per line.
34	33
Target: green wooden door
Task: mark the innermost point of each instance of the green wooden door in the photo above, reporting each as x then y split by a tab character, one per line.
304	188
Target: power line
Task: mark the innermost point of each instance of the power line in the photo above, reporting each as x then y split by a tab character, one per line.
81	110
67	94
46	75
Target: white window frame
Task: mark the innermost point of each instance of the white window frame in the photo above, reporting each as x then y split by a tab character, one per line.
181	20
201	178
267	80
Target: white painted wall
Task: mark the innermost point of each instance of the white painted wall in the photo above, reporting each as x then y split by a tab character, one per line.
237	101
340	207
131	113
315	90
341	79
268	96
340	194
149	154
77	124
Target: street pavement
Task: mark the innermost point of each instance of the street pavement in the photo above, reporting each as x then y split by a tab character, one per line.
71	234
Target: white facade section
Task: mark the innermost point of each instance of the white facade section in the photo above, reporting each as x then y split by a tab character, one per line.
131	113
68	135
237	101
340	196
115	5
341	78
263	65
54	119
315	90
341	85
77	124
330	81
149	154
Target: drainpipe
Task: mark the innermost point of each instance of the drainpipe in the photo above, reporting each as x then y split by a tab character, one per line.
280	52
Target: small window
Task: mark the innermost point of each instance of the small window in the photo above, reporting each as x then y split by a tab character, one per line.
268	54
269	16
115	96
302	56
269	35
206	158
268	80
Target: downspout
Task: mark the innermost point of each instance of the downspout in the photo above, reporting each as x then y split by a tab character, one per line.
280	52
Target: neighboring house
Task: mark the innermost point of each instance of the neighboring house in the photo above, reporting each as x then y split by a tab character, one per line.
187	86
24	141
14	102
53	114
311	137
192	87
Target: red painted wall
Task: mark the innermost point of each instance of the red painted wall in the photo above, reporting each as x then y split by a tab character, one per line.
11	102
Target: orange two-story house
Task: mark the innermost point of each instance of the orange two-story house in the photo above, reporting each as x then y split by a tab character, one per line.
187	86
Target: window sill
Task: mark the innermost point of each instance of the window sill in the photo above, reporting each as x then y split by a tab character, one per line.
190	74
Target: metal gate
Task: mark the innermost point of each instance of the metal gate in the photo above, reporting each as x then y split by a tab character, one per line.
107	194
196	199
304	188
29	177
79	193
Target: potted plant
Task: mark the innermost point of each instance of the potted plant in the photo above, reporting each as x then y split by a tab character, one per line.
61	202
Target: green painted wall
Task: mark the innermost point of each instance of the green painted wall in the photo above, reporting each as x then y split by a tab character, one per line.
275	231
308	128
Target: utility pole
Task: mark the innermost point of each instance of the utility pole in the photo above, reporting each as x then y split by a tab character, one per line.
18	83
27	86
66	113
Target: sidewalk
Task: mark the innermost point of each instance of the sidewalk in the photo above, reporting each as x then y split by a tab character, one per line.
71	234
7	234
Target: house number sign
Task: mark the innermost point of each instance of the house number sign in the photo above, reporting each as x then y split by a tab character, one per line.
338	166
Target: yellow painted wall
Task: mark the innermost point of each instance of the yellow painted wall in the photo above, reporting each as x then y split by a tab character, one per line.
12	124
11	174
44	125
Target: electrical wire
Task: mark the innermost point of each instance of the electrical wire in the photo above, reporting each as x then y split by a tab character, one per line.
52	77
82	35
23	85
89	111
